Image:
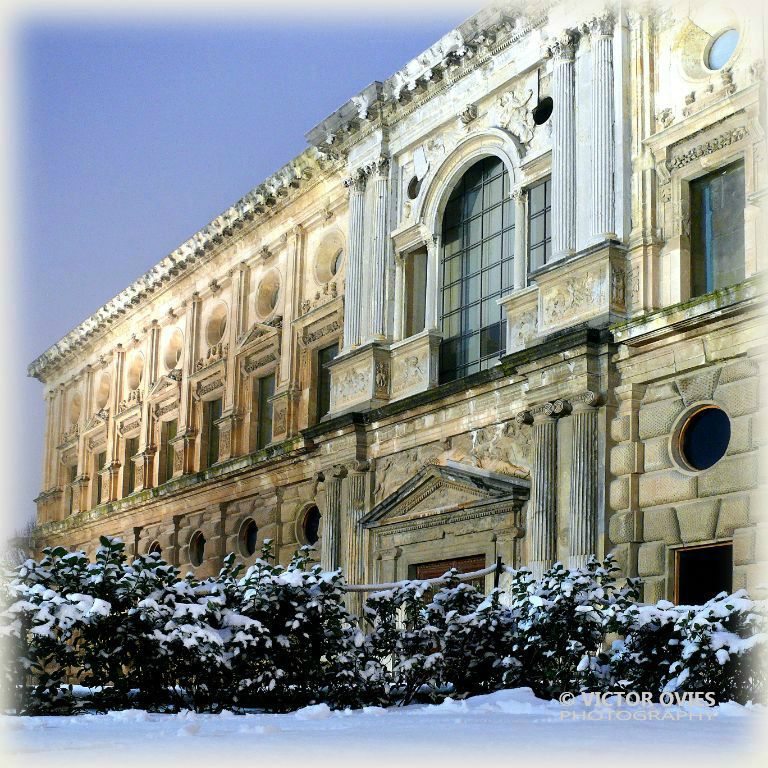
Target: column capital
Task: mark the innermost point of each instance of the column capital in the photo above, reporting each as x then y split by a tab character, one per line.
336	472
557	408
356	181
600	25
562	48
519	194
379	166
587	399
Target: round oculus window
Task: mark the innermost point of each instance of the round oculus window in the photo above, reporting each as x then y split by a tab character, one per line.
704	437
721	49
249	532
542	111
197	549
311	525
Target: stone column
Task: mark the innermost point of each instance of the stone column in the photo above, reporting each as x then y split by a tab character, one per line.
583	481
432	308
521	252
563	147
330	542
602	123
353	298
381	249
354	560
542	512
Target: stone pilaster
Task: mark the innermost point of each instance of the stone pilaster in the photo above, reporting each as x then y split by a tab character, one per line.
353	298
542	512
602	119
354	559
583	480
432	308
521	256
563	51
399	321
381	250
330	541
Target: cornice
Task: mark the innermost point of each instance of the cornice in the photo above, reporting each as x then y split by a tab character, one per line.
263	201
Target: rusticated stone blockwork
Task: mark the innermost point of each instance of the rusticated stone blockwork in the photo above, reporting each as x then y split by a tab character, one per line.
454	333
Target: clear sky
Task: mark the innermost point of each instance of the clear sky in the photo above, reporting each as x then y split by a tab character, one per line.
133	135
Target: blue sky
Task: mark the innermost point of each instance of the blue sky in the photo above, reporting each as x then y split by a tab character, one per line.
132	136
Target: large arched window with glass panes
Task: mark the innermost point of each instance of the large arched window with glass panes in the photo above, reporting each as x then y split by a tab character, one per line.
477	269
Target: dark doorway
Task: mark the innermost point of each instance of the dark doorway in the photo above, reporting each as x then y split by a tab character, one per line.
438	568
703	572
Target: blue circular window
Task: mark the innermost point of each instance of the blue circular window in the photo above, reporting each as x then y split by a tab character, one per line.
704	437
722	48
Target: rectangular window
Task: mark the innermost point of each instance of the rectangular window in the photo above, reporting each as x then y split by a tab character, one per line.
717	229
101	460
169	429
131	449
266	391
324	356
539	225
415	292
703	572
212	415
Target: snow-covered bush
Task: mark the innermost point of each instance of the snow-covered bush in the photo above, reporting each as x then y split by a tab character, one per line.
718	647
279	637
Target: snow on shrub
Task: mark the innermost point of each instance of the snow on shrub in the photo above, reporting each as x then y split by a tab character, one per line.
279	638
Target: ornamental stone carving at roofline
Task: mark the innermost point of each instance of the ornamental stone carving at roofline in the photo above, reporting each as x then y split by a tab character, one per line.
507	303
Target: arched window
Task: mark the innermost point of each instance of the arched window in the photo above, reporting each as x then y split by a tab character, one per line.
477	268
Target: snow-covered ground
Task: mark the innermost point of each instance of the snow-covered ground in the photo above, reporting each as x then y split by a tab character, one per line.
512	727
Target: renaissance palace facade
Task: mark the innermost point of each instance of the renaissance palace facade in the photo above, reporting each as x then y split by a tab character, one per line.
507	303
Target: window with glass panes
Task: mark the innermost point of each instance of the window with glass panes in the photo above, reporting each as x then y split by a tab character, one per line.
266	391
212	415
131	449
539	225
477	268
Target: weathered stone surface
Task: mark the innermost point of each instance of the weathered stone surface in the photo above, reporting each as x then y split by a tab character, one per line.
741	435
623	458
744	546
654	590
737	473
698	520
661	525
734	513
739	397
657	454
658	418
700	386
650	559
620	527
665	487
620	429
619	493
741	369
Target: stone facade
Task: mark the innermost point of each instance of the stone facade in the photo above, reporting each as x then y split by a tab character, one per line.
189	404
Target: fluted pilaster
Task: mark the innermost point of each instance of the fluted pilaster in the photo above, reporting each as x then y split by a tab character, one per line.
381	248
353	299
354	559
330	541
563	146
583	481
602	121
542	511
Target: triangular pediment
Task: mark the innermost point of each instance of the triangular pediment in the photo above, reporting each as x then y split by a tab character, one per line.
447	486
257	332
97	420
164	386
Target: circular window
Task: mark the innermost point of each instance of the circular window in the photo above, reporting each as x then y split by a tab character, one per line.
704	437
268	293
173	349
135	371
329	257
155	549
74	408
197	549
542	111
249	532
721	49
102	391
310	525
216	325
414	185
